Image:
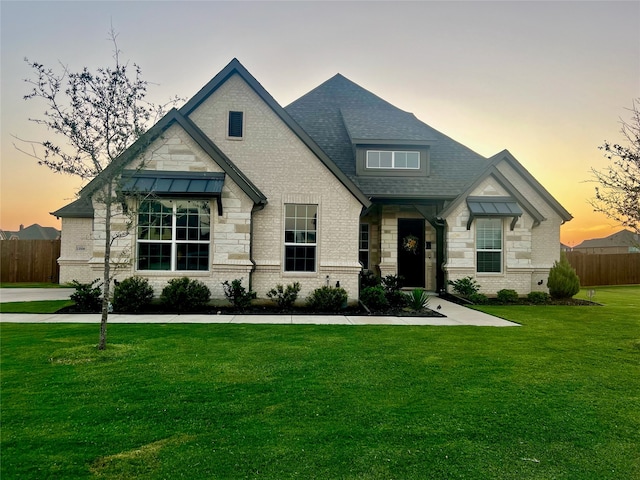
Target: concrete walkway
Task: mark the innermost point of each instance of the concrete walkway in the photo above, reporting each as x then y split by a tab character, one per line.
454	314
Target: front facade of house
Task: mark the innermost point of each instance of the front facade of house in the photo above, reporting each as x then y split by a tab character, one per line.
233	186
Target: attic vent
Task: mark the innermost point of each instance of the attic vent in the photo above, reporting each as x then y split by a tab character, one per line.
235	124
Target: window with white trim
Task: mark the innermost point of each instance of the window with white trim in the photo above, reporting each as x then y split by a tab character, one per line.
396	159
173	235
300	237
363	245
489	245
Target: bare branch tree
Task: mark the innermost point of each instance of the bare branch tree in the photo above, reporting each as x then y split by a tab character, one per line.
618	192
94	118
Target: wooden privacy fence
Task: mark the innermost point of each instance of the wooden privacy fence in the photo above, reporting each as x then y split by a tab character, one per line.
606	269
29	261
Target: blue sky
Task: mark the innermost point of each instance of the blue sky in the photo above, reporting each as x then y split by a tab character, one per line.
547	80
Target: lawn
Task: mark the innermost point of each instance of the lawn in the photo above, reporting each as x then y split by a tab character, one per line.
557	398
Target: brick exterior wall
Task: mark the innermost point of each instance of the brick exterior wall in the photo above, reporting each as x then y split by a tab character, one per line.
528	252
280	165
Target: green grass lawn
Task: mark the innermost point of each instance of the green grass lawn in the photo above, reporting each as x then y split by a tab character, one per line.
557	398
40	306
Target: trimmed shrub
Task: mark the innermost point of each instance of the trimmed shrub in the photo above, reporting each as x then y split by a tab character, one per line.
327	299
185	295
132	295
538	298
465	287
284	297
374	298
478	298
563	280
87	296
392	285
368	279
507	295
418	299
236	294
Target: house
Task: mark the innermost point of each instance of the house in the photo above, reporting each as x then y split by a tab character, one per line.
232	186
624	241
32	232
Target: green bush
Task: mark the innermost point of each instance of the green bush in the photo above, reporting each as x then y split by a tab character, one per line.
392	287
87	296
236	294
507	296
418	299
374	298
478	298
538	298
563	280
185	295
369	279
284	297
327	299
465	287
132	295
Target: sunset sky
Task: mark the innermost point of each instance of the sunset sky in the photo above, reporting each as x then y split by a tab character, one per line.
549	81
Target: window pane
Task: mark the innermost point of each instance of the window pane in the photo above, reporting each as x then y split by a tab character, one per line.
413	159
489	262
386	159
300	259
373	159
154	256
400	160
192	256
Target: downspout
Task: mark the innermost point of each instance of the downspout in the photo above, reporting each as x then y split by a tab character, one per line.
440	225
256	208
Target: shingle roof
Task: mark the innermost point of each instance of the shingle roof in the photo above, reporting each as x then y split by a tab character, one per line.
623	238
339	112
33	232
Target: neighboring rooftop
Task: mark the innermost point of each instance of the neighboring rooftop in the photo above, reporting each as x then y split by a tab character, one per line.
623	238
32	232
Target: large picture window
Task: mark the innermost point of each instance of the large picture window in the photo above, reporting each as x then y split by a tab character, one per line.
403	160
300	232
489	245
173	235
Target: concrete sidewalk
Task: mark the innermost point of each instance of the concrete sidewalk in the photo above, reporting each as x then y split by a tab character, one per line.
454	314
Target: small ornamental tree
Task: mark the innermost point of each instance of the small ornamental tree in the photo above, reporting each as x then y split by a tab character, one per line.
92	117
618	190
563	280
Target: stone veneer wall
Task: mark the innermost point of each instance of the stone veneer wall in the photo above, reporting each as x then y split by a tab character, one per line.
528	252
283	168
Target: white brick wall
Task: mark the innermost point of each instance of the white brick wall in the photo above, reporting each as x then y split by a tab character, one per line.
283	168
528	252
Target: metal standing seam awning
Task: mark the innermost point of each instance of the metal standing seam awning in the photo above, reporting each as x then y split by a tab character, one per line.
175	184
493	207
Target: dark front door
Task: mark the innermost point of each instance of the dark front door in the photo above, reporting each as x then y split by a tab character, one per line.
411	251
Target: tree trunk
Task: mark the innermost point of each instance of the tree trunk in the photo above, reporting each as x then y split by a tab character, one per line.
107	269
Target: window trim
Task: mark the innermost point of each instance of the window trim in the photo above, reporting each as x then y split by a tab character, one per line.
235	137
173	241
500	251
393	160
368	241
300	244
363	170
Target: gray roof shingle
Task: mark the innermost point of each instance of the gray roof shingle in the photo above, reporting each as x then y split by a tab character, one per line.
339	113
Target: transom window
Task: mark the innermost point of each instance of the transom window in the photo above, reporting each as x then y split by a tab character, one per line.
300	237
403	160
363	247
173	235
489	245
